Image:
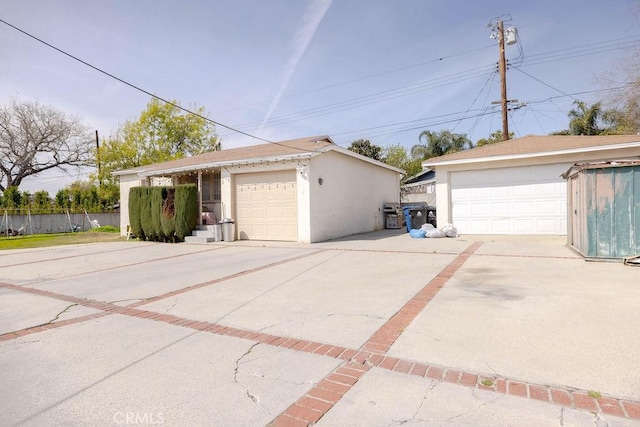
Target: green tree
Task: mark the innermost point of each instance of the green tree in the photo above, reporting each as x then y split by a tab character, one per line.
12	197
63	199
397	156
584	118
162	132
592	119
25	199
366	148
494	137
434	144
35	138
42	201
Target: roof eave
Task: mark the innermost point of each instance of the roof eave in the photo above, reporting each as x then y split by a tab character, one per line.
530	155
219	165
350	153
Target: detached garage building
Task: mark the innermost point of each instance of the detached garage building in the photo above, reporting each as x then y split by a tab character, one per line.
516	186
305	190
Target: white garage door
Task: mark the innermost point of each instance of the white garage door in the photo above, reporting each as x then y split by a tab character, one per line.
519	200
266	206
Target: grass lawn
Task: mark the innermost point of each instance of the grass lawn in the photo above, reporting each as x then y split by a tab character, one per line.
103	234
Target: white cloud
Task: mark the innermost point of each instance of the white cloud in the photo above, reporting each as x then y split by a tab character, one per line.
310	22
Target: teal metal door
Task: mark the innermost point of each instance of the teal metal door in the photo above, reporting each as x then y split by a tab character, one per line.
613	211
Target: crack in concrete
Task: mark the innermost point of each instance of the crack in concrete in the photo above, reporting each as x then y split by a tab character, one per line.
59	314
561	417
236	371
598	421
173	305
470	411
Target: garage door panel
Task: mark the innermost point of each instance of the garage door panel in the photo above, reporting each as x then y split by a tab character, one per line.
266	206
527	200
525	208
481	208
500	192
524	191
500	208
546	207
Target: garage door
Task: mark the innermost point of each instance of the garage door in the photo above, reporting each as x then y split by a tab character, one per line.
266	206
520	200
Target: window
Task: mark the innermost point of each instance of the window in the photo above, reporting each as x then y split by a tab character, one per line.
211	186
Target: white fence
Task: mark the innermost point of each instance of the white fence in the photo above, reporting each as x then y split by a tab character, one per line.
55	223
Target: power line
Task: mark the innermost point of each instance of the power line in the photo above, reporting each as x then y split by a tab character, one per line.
546	84
490	78
377	97
139	88
370	76
352	103
480	113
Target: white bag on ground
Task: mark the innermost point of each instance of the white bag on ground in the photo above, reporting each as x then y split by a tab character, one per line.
450	231
426	227
434	232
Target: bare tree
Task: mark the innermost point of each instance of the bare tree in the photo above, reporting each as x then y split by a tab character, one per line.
35	138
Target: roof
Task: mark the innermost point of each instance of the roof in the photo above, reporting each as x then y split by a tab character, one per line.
537	146
423	176
284	150
599	165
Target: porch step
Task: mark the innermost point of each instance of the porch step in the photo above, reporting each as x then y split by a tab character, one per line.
203	234
199	239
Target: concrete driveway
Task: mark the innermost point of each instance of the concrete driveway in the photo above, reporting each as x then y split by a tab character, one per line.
377	329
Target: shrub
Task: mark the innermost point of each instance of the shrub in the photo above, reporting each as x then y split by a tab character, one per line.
186	209
163	213
155	206
145	214
135	204
167	219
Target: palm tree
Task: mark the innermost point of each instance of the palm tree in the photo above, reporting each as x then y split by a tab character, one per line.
436	144
584	120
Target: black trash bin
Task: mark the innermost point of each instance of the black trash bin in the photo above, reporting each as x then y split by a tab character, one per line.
416	216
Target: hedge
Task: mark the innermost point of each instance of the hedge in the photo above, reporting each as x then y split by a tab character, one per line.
163	213
167	219
186	204
135	199
155	204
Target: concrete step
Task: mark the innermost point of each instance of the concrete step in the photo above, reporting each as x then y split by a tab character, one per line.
202	233
198	239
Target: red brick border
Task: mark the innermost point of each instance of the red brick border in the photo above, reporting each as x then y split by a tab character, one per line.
330	390
371	352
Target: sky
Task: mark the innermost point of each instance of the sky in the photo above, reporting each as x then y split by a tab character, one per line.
382	70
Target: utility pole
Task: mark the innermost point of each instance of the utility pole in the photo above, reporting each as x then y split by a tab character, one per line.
498	31
98	158
502	66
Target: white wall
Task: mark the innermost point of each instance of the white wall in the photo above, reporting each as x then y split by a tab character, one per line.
304	203
126	182
351	197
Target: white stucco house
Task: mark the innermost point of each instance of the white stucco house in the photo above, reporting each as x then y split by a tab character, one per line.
305	190
516	186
